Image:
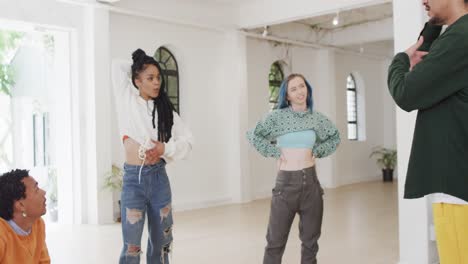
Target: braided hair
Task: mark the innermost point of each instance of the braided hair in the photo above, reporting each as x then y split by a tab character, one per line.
161	103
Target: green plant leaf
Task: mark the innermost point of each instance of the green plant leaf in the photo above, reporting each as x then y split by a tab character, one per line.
386	158
9	42
114	179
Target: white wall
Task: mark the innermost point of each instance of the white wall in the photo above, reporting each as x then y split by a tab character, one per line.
354	164
205	91
260	56
389	114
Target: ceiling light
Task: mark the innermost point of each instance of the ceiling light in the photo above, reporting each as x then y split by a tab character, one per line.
107	1
265	31
336	19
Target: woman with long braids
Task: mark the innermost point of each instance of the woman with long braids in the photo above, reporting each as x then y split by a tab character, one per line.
153	134
302	134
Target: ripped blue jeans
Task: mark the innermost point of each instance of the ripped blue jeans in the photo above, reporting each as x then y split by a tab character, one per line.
151	196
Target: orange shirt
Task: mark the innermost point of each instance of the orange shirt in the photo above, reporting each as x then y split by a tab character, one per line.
30	249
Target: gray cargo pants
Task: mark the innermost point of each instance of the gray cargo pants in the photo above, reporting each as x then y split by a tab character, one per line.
295	192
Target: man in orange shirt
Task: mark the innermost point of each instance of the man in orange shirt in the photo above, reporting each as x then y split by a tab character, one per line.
22	230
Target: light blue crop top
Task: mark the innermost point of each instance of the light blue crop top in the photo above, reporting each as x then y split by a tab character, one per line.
299	139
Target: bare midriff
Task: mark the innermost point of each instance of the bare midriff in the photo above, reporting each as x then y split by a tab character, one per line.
131	152
295	159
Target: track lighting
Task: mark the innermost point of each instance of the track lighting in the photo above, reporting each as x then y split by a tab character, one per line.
265	31
336	19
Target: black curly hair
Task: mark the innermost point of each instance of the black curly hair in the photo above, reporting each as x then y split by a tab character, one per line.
12	189
161	103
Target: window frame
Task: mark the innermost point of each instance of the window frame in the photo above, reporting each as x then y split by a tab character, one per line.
166	73
352	122
276	83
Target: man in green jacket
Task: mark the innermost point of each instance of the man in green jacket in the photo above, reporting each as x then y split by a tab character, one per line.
436	84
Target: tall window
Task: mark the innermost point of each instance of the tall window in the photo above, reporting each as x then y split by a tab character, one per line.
275	78
170	73
352	107
41	139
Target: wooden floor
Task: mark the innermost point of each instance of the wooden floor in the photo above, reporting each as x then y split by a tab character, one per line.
360	226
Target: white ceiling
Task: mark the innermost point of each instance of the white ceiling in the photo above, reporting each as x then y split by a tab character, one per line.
315	30
234	2
214	2
380	48
226	2
347	18
351	17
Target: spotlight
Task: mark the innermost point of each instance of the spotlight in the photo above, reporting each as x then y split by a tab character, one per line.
265	31
336	19
107	1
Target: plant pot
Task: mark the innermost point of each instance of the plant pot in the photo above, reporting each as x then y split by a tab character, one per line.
387	175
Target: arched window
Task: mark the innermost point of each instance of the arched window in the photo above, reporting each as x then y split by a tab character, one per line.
275	78
351	96
170	73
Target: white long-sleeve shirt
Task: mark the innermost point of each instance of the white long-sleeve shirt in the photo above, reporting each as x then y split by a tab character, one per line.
134	115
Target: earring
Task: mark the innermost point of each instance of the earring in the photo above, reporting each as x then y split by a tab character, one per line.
24	214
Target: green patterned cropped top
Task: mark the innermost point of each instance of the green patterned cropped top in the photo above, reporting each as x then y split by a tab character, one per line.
282	121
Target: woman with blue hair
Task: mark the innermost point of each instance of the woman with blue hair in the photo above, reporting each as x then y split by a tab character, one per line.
302	134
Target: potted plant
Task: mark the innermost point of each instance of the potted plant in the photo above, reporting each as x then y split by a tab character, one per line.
114	182
386	160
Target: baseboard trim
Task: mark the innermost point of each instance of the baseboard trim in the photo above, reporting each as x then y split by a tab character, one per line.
361	180
404	262
179	207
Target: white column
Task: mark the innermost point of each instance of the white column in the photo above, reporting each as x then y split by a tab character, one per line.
61	90
95	111
415	245
240	183
324	79
389	119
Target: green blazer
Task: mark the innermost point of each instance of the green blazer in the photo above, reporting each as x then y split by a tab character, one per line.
438	88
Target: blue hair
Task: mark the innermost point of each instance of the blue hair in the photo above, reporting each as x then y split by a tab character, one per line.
283	93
